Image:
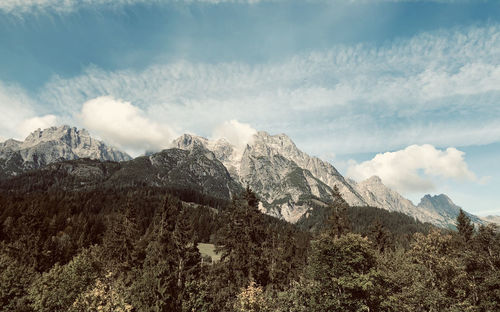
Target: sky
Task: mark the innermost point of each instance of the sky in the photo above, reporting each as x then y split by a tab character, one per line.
406	90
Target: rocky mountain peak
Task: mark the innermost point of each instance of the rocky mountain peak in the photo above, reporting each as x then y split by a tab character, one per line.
281	174
66	133
53	144
372	180
437	200
443	209
10	144
189	141
270	145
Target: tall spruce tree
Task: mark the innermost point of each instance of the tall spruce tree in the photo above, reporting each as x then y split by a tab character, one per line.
338	222
242	239
464	226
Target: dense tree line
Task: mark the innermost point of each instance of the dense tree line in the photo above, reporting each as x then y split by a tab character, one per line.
135	249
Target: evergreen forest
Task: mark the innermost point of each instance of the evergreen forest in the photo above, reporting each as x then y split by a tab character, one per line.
137	248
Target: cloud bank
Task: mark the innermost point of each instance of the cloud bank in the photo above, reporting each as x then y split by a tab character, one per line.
441	88
412	169
125	126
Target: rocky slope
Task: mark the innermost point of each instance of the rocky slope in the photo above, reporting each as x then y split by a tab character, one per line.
50	145
376	194
284	177
197	170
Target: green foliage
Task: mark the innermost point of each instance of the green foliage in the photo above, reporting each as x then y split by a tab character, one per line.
171	261
338	222
464	226
251	299
57	289
343	274
59	239
103	296
380	236
15	279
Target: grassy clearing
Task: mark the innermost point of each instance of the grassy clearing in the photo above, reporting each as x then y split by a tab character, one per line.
208	250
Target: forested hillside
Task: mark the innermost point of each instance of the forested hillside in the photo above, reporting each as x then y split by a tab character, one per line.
130	248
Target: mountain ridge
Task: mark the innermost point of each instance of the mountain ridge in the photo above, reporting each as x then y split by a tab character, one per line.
286	179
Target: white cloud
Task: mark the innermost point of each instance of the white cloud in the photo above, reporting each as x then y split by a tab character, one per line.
122	124
18	117
412	169
237	133
28	125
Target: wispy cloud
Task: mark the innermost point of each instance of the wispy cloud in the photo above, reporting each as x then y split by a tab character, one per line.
20	7
441	88
66	6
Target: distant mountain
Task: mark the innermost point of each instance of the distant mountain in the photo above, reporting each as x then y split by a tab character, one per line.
50	145
376	194
443	210
438	210
284	177
492	219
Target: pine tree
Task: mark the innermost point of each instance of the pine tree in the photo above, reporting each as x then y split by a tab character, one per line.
342	274
464	226
188	256
338	222
379	235
241	242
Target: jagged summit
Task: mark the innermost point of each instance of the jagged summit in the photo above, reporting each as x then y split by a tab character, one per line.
189	141
440	199
443	209
282	175
43	147
373	179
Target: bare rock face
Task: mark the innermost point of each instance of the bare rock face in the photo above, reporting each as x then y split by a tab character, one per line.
376	194
43	147
443	211
283	176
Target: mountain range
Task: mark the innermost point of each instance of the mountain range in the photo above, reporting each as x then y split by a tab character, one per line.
288	182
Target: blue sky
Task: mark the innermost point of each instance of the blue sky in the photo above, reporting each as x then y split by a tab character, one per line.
346	80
